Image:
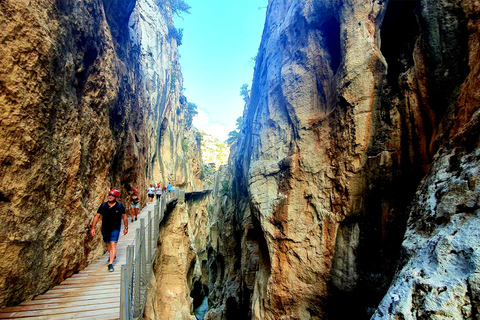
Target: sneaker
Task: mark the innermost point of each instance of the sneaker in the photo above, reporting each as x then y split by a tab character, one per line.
110	267
135	218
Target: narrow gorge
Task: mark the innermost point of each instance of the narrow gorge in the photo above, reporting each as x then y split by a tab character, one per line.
352	191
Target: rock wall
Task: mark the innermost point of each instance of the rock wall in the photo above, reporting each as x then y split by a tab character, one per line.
78	116
350	102
179	282
437	274
168	158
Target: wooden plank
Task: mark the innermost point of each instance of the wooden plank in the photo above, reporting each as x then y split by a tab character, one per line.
112	313
63	311
89	283
74	298
61	303
51	294
111	316
85	277
92	288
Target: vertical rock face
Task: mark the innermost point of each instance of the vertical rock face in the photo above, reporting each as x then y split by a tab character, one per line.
438	271
78	117
168	157
350	102
179	282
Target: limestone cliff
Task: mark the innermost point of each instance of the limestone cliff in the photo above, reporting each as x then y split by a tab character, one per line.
352	104
173	152
179	282
77	117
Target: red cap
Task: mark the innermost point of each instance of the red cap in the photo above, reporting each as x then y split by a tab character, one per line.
114	192
135	190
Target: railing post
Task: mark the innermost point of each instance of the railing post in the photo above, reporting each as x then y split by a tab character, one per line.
124	293
157	222
149	237
129	302
136	273
142	257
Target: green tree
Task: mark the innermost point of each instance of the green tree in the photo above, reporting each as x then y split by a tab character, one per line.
191	112
244	92
233	135
176	34
239	123
178	6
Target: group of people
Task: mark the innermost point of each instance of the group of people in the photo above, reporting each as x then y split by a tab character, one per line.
113	212
157	191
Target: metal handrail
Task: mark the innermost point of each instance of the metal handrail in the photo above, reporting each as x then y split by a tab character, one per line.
141	254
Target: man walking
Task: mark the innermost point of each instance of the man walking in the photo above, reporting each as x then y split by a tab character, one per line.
112	213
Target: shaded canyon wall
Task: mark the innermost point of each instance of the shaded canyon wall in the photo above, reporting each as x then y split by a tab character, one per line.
353	103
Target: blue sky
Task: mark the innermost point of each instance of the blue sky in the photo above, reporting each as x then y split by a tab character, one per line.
220	38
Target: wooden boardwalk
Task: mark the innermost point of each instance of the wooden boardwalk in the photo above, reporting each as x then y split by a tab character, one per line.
93	293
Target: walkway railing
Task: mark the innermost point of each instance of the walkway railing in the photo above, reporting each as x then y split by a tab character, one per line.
141	254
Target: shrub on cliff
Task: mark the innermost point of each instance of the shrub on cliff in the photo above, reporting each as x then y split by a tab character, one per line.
176	34
177	6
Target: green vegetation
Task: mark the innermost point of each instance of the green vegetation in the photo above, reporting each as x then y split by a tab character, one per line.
184	144
176	34
233	135
191	112
225	189
244	92
178	7
198	138
207	170
214	150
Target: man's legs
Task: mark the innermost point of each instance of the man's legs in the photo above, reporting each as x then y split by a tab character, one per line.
112	249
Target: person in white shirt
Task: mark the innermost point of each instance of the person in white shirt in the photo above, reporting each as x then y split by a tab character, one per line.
151	193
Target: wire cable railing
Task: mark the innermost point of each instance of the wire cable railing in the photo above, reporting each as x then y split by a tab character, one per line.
141	254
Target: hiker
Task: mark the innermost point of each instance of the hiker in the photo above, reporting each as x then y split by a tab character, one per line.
164	190
173	190
158	192
112	213
134	204
169	190
151	193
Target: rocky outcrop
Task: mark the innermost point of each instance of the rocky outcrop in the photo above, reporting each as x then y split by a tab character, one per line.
78	116
350	102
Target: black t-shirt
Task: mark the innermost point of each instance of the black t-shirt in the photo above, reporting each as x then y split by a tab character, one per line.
111	216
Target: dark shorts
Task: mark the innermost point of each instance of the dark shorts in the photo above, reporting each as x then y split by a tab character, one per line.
151	195
111	236
158	196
